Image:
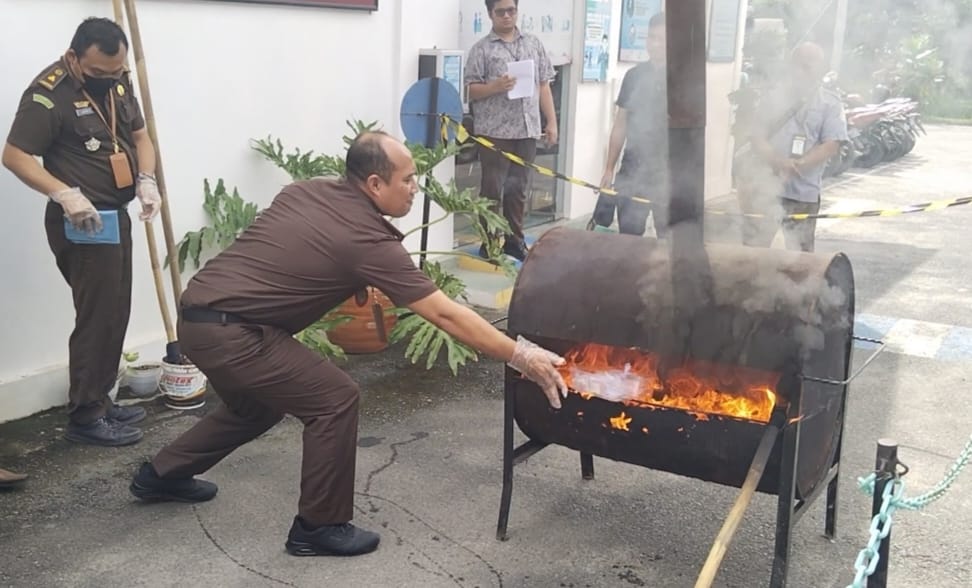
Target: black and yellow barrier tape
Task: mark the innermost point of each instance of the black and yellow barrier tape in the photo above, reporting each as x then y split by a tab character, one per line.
463	135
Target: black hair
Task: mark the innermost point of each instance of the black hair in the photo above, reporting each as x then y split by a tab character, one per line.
103	32
491	3
367	156
657	21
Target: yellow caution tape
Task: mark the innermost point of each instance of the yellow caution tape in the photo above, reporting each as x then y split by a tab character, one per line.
463	135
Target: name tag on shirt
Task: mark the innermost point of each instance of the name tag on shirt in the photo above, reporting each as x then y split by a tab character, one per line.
798	146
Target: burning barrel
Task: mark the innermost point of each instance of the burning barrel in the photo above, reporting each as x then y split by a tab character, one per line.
771	348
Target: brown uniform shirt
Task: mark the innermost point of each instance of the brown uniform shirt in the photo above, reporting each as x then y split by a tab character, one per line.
315	246
56	121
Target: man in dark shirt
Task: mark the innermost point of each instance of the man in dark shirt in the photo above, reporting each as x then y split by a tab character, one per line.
318	243
641	129
81	117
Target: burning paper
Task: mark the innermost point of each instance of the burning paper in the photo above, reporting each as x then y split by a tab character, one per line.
613	384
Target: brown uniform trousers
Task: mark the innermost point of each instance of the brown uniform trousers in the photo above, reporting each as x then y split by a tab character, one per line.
503	180
261	373
100	277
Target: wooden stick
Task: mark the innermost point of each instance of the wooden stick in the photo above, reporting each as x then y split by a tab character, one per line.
143	85
729	527
150	234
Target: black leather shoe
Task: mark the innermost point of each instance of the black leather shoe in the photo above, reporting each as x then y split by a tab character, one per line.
343	539
147	485
515	249
105	432
126	415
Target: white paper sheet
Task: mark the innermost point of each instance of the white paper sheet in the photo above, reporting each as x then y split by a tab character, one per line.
523	72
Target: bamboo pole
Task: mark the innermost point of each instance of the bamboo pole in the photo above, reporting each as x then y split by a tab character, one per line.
731	524
143	85
150	234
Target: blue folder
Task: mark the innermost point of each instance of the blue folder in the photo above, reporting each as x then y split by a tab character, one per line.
108	235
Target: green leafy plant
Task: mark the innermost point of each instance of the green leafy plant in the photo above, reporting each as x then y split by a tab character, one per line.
301	165
427	339
229	215
315	336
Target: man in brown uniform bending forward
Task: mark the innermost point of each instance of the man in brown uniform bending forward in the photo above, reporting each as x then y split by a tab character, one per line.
319	242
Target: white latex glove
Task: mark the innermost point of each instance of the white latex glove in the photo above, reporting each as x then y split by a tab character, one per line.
78	209
147	190
538	365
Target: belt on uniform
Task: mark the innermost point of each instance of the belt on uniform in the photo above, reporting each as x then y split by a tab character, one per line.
201	314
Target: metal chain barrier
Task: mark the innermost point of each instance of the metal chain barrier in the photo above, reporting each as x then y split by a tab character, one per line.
868	558
892	499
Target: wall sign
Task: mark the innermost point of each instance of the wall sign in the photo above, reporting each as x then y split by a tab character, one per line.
723	30
355	4
635	15
597	31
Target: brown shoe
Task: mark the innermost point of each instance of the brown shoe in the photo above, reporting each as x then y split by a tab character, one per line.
10	479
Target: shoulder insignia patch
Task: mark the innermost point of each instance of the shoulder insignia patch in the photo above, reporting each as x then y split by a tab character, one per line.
44	101
51	78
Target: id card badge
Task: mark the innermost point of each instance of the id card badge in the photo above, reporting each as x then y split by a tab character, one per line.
798	146
121	169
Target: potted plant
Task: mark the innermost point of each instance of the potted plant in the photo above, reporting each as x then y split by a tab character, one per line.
143	378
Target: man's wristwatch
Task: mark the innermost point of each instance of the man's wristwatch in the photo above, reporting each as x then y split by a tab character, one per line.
146	176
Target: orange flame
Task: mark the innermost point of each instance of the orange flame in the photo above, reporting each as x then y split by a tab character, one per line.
698	387
621	421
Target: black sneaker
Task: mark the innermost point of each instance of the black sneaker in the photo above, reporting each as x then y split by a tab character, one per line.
515	249
126	415
343	539
147	485
105	432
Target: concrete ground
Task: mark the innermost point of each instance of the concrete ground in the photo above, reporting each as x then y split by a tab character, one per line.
429	474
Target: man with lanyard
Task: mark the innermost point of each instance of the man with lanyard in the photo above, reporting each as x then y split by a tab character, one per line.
319	242
641	129
803	127
513	125
81	117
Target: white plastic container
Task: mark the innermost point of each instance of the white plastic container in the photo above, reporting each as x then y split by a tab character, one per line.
143	379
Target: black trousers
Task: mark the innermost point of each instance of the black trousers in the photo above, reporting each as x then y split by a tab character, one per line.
100	277
507	182
633	214
261	373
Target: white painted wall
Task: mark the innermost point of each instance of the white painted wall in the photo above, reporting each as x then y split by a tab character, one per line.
221	74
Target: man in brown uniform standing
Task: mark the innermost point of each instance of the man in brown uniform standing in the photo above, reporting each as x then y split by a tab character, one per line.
81	117
318	243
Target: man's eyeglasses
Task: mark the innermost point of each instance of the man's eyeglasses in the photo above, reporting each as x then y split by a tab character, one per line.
505	11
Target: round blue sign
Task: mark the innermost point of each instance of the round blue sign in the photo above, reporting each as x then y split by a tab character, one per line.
422	107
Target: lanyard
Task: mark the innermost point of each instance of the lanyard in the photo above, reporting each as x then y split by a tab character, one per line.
516	47
114	117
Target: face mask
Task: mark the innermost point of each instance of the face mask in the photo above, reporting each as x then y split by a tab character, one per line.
98	86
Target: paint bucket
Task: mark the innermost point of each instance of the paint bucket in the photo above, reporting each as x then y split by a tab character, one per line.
183	385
